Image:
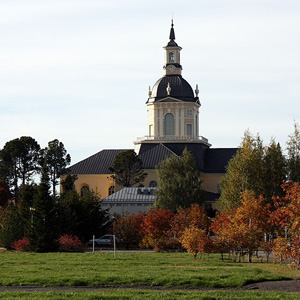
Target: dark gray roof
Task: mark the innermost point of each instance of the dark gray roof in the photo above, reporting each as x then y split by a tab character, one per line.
180	89
152	156
211	197
208	160
132	195
98	163
217	159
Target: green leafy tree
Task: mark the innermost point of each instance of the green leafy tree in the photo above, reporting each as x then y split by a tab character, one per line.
44	230
11	226
245	171
179	181
293	148
19	161
127	169
274	171
57	159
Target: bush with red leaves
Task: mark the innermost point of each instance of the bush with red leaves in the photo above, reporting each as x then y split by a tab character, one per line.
68	242
22	245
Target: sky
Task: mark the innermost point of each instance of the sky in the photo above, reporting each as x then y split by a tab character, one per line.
79	70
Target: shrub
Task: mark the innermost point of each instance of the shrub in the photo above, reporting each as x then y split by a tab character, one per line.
68	242
22	245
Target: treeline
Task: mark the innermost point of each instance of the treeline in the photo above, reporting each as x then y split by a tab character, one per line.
261	169
35	213
239	232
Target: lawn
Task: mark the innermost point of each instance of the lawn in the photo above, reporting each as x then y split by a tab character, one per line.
130	269
136	269
123	294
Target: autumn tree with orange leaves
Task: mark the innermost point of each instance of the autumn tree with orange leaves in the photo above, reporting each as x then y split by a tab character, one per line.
241	230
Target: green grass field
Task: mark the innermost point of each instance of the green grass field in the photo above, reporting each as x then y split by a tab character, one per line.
136	269
151	295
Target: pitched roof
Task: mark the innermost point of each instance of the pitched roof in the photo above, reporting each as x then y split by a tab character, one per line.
98	163
132	195
208	160
152	156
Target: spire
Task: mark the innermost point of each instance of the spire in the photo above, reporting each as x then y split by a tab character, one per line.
172	42
172	32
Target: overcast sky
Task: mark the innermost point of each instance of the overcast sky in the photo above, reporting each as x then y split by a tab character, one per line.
79	70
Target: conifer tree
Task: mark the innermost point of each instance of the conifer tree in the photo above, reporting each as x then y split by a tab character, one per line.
44	230
11	226
57	159
27	193
274	171
293	147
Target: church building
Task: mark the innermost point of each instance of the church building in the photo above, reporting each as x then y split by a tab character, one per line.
173	125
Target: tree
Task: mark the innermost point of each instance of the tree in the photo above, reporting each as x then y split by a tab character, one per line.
179	181
244	171
11	226
195	241
5	194
127	169
243	228
27	194
57	159
274	171
44	231
156	227
286	216
193	216
81	216
68	184
93	219
19	160
293	147
128	228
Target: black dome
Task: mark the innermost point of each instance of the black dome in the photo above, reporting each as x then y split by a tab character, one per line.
180	89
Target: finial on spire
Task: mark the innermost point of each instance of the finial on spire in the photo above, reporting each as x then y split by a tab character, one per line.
197	90
149	92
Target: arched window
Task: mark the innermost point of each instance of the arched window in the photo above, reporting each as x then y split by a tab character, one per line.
84	189
153	183
169	124
111	190
171	57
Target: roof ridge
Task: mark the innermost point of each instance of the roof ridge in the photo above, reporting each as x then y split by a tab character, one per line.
169	149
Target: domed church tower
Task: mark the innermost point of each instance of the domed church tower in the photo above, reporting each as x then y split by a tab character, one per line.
172	106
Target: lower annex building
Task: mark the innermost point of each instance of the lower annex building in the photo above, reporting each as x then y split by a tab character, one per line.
173	125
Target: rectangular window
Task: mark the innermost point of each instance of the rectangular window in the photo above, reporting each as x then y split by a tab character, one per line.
189	129
150	130
189	112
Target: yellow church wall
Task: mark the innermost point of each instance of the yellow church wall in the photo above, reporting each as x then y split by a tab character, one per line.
211	181
99	183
